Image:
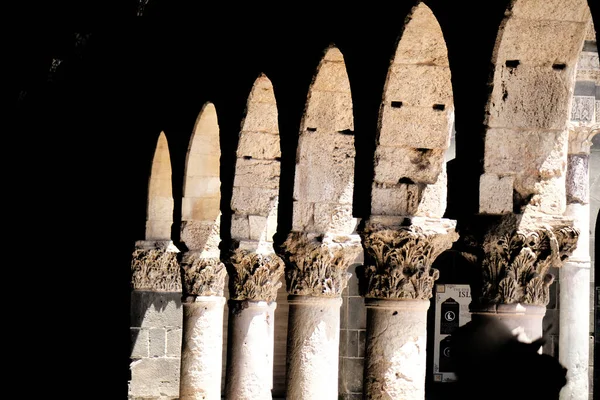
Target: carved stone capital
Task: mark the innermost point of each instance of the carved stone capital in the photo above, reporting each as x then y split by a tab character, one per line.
202	276
398	259
580	137
515	261
254	276
155	267
317	265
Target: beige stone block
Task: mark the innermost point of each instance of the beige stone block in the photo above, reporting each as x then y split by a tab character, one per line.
418	127
420	166
258	145
422	40
203	164
160	208
203	186
158	229
333	54
253	201
173	342
139	343
205	142
258	227
240	228
326	149
334	218
509	152
401	199
329	111
332	77
262	91
200	208
496	194
558	10
419	85
261	117
318	183
434	198
201	235
529	97
541	42
155	378
257	173
302	216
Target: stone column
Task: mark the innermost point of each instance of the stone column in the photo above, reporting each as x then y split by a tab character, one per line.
514	254
316	274
575	274
254	280
397	283
202	337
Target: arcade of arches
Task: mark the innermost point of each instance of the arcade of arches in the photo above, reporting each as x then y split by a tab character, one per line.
292	219
338	305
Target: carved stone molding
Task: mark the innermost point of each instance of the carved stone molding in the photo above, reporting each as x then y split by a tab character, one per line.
254	276
514	263
202	276
155	267
398	260
580	137
317	265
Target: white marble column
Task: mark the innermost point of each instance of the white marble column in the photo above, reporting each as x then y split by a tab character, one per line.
202	334
254	281
397	283
575	274
395	355
313	347
316	275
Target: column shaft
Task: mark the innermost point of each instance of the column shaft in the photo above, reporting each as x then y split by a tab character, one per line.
395	355
313	347
202	346
250	351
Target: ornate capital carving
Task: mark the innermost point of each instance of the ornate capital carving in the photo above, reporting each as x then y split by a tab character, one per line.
317	265
202	276
254	276
580	137
398	260
515	263
155	267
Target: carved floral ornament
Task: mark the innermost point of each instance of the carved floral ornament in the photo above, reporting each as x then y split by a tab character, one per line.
254	276
202	276
580	137
398	261
155	268
515	264
317	266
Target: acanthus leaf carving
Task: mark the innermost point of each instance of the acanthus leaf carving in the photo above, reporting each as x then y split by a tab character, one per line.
202	276
515	265
156	269
317	265
254	276
398	261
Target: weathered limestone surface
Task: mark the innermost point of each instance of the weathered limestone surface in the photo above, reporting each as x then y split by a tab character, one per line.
317	265
396	342
202	235
250	351
398	256
155	378
418	165
201	350
259	145
496	194
419	85
253	201
405	126
399	199
313	347
558	10
155	267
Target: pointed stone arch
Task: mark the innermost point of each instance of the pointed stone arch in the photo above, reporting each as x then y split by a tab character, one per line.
526	140
159	217
324	177
256	182
200	214
416	121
